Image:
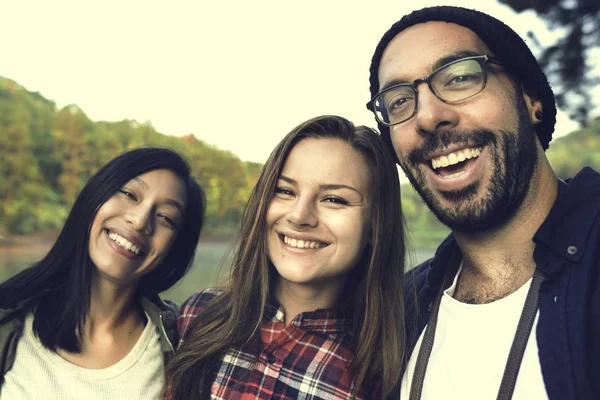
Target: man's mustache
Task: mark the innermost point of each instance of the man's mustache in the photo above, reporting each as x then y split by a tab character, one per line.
438	141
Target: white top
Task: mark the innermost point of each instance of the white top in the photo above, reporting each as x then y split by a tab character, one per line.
39	373
470	350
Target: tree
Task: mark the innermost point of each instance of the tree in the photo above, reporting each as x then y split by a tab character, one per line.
28	202
569	63
70	128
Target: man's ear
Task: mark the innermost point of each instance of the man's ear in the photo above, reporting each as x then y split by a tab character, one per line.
534	108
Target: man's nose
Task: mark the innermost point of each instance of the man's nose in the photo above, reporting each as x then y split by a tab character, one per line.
432	113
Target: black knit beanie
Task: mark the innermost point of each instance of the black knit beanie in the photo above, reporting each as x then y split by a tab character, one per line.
507	46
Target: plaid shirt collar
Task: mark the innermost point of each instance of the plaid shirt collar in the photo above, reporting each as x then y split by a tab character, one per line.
324	320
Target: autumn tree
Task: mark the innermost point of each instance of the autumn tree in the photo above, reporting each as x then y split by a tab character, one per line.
70	127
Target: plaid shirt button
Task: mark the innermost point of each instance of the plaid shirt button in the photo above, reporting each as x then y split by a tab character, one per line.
270	358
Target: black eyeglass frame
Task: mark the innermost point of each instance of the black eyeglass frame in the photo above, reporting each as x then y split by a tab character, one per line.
483	61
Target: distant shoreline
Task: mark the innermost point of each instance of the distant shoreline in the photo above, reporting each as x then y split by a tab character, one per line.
17	250
48	238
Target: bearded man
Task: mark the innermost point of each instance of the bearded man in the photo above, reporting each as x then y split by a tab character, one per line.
509	306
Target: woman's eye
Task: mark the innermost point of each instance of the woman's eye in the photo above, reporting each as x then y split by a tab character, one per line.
168	220
127	194
283	191
335	200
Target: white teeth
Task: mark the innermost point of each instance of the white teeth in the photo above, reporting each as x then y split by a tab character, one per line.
126	244
302	244
455	157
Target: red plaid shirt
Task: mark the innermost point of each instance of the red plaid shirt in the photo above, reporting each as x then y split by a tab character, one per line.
308	359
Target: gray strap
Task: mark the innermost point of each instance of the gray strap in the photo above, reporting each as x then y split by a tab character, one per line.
513	364
428	338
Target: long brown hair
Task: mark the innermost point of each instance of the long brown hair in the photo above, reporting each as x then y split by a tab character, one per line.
233	318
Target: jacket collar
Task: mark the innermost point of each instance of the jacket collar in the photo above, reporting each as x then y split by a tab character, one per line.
566	229
160	312
438	265
163	315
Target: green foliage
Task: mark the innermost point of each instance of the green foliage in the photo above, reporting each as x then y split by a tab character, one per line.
35	208
569	63
580	148
47	155
423	229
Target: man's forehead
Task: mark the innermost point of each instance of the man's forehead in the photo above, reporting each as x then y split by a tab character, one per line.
415	51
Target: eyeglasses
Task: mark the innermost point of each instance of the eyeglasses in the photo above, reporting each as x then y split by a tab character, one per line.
451	83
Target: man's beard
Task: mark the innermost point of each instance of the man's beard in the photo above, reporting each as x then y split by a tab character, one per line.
514	158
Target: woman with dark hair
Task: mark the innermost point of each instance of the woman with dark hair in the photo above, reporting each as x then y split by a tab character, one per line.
314	306
86	321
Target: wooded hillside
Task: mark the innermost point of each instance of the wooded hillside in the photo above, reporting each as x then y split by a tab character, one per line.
47	154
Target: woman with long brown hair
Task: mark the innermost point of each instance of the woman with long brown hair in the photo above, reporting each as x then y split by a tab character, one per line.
314	306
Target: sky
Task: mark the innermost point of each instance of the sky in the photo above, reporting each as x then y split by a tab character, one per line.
238	74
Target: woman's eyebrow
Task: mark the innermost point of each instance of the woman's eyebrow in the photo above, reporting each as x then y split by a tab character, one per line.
141	183
168	200
288	179
174	203
337	186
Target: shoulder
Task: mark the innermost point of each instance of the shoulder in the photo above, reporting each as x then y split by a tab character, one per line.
193	306
9	319
430	272
417	276
415	282
423	281
198	302
586	181
158	309
575	214
11	329
157	305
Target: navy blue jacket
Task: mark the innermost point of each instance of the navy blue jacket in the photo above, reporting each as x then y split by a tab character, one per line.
567	252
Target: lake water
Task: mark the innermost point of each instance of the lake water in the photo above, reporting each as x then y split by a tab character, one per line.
211	264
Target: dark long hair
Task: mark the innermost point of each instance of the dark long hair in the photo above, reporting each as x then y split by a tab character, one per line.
57	288
233	318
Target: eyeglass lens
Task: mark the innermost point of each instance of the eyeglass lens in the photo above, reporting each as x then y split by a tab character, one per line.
452	83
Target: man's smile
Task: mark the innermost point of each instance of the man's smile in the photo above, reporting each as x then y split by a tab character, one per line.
454	158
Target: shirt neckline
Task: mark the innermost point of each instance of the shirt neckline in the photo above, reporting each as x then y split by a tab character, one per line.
112	371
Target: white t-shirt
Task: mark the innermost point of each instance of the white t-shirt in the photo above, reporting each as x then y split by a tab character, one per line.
470	350
39	373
